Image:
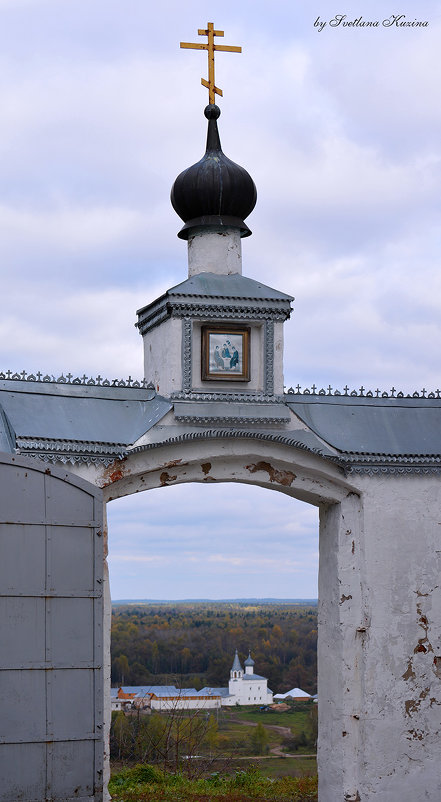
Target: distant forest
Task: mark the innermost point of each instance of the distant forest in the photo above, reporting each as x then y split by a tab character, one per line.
193	643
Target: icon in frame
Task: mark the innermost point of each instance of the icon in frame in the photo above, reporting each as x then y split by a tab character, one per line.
225	353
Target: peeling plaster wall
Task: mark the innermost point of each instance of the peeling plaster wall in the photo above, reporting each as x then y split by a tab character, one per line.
216	251
341	620
402	644
380	643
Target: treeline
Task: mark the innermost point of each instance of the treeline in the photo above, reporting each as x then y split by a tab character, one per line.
193	644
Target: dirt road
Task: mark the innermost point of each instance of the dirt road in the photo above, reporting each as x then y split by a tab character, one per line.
285	732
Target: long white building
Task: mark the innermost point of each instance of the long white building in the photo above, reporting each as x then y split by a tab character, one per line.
244	688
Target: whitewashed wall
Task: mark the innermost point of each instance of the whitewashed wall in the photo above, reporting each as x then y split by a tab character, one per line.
379	606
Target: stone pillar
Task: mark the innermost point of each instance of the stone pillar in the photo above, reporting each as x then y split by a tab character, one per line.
214	251
380	643
341	621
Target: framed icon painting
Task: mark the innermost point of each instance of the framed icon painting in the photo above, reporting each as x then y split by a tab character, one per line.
225	353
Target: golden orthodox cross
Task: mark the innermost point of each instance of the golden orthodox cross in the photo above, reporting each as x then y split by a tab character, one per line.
211	47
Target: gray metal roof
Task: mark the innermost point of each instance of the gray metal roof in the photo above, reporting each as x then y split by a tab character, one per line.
71	422
249	661
66	412
253	677
361	425
140	691
143	690
210	296
214	285
236	663
7	439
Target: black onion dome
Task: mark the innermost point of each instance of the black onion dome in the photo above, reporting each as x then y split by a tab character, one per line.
215	192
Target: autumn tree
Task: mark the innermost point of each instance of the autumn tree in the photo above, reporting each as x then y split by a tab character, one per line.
259	740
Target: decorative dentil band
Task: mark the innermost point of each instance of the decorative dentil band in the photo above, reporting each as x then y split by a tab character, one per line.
211	311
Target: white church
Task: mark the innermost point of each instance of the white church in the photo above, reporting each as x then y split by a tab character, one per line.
244	687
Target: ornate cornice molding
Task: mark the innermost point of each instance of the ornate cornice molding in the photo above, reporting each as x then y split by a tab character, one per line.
71	451
209	308
70	446
222	434
390	459
374	465
389	464
252	397
72	459
228	311
227	421
394	470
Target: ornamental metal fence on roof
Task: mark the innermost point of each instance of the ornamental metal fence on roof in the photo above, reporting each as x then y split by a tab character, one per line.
70	378
361	392
99	381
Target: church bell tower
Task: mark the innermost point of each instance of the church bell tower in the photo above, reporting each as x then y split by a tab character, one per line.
218	336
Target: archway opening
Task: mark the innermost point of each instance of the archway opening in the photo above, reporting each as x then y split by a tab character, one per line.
227	461
254	549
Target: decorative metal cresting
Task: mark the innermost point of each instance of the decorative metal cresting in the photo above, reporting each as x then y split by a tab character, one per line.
211	47
362	392
70	378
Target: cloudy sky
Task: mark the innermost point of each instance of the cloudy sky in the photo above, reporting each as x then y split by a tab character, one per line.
341	131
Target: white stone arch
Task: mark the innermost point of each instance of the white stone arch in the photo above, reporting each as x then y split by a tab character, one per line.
272	463
226	456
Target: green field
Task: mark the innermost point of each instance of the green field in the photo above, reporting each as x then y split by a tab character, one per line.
297	721
273	767
301	723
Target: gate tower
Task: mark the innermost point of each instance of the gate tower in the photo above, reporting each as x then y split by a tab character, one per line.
212	407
